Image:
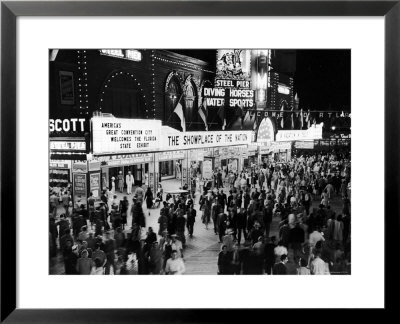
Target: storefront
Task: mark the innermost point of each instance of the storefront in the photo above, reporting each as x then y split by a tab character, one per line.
68	146
250	156
59	174
282	151
114	165
126	147
170	164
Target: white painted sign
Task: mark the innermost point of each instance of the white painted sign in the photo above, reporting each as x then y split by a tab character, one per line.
118	135
173	139
68	145
314	132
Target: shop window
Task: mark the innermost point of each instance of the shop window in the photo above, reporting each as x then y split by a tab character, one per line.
167	168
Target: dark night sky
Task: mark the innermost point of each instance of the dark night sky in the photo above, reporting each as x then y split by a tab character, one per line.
322	79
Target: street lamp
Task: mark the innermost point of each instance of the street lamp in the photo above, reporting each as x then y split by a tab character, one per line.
333	128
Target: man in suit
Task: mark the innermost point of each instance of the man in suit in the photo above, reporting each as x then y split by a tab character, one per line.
130	181
280	268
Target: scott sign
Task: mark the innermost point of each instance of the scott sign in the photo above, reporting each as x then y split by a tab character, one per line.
67	125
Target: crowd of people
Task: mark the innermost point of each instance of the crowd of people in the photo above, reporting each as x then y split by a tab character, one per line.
94	240
98	240
318	238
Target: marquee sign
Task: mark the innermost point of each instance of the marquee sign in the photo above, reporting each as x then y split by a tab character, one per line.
128	54
118	135
314	132
216	97
224	83
175	140
67	146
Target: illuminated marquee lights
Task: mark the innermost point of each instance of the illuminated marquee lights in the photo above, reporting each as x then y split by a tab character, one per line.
82	84
129	54
283	89
191	66
115	74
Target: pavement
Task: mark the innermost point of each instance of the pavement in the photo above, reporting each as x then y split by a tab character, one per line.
201	250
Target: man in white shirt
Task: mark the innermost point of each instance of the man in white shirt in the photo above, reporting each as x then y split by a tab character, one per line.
130	181
319	267
175	265
176	245
315	237
280	250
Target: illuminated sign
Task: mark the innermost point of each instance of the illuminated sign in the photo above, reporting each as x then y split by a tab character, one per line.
265	131
126	159
216	97
223	83
129	54
314	132
118	135
173	139
67	125
283	89
68	145
233	64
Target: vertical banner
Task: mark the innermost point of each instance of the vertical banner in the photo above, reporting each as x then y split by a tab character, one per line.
95	184
207	169
79	189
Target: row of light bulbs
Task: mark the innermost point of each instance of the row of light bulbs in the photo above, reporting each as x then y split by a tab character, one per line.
82	86
115	75
182	64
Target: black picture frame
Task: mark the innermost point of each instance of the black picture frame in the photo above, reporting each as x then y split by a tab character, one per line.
11	10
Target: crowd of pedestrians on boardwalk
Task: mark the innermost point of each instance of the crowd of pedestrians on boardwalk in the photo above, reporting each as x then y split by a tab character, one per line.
98	240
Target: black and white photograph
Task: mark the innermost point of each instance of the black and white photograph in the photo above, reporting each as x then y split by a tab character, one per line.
199	161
